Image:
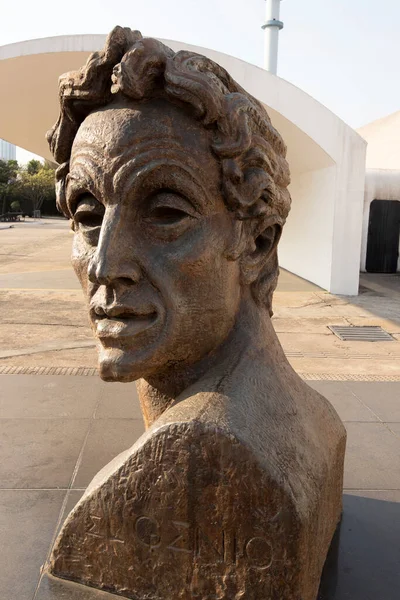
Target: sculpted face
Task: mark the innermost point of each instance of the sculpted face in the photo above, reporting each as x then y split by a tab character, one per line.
152	236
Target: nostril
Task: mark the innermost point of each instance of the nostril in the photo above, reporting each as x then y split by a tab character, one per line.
92	276
126	280
98	278
103	271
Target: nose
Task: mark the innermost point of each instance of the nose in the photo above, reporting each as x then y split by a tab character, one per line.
104	270
113	262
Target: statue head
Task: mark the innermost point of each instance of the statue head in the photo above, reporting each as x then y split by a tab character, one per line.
176	184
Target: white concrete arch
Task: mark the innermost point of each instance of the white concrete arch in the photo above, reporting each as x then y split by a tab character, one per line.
322	238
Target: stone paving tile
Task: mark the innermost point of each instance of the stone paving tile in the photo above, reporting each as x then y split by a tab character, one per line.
119	401
46	396
372	457
50	308
395	429
62	279
39	453
382	398
20	337
328	343
77	357
105	442
316	324
289	282
27	523
348	406
379	366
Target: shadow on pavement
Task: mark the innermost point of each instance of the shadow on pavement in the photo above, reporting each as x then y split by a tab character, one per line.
364	560
379	294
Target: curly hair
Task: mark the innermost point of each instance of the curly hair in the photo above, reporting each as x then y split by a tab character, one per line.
255	173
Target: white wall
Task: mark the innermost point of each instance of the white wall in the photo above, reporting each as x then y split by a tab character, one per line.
306	245
347	228
380	184
383	142
322	237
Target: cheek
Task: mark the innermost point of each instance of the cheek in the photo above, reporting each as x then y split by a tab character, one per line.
80	256
200	277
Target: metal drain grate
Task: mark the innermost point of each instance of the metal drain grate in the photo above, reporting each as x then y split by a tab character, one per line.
361	334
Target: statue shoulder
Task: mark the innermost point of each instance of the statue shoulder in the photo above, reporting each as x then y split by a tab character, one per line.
203	502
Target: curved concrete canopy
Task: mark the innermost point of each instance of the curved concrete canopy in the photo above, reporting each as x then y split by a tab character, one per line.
32	68
322	238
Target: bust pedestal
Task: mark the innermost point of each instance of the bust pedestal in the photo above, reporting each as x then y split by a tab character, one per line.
214	502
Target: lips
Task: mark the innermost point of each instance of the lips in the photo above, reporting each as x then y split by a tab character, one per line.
123	326
121	320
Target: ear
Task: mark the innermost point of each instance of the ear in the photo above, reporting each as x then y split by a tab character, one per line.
262	242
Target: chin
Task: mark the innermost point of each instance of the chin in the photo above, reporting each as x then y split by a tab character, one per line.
123	366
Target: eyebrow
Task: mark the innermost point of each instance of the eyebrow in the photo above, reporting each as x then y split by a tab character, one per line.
79	181
136	177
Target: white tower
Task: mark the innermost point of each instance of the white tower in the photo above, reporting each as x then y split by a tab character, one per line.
272	27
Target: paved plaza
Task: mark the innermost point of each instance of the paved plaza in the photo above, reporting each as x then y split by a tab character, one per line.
44	323
60	423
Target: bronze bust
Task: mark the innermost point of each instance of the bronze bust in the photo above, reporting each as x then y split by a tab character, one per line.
176	184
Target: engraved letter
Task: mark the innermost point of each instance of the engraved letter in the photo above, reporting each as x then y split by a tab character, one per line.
207	548
94	530
147	531
258	552
181	542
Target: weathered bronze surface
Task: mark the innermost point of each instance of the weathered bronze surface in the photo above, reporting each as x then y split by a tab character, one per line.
176	184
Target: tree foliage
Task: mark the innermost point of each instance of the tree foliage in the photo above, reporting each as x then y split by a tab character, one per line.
8	177
31	186
36	184
33	167
8	170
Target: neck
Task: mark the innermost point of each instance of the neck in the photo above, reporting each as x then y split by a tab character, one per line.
252	333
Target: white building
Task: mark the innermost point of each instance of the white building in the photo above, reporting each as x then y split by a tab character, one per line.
7	151
322	237
380	247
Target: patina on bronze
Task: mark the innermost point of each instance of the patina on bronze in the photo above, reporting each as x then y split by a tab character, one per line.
176	184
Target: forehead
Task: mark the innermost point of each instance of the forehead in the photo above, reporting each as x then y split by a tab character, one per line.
125	129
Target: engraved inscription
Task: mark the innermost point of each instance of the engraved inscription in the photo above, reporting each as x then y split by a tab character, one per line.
223	547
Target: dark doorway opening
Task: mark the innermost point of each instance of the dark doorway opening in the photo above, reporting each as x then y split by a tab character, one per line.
383	236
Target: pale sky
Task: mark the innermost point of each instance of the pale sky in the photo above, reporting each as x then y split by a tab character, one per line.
344	53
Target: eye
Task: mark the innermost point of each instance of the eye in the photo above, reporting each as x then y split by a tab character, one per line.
88	212
165	215
90	220
168	208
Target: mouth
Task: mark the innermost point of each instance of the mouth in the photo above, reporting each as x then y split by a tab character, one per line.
123	326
